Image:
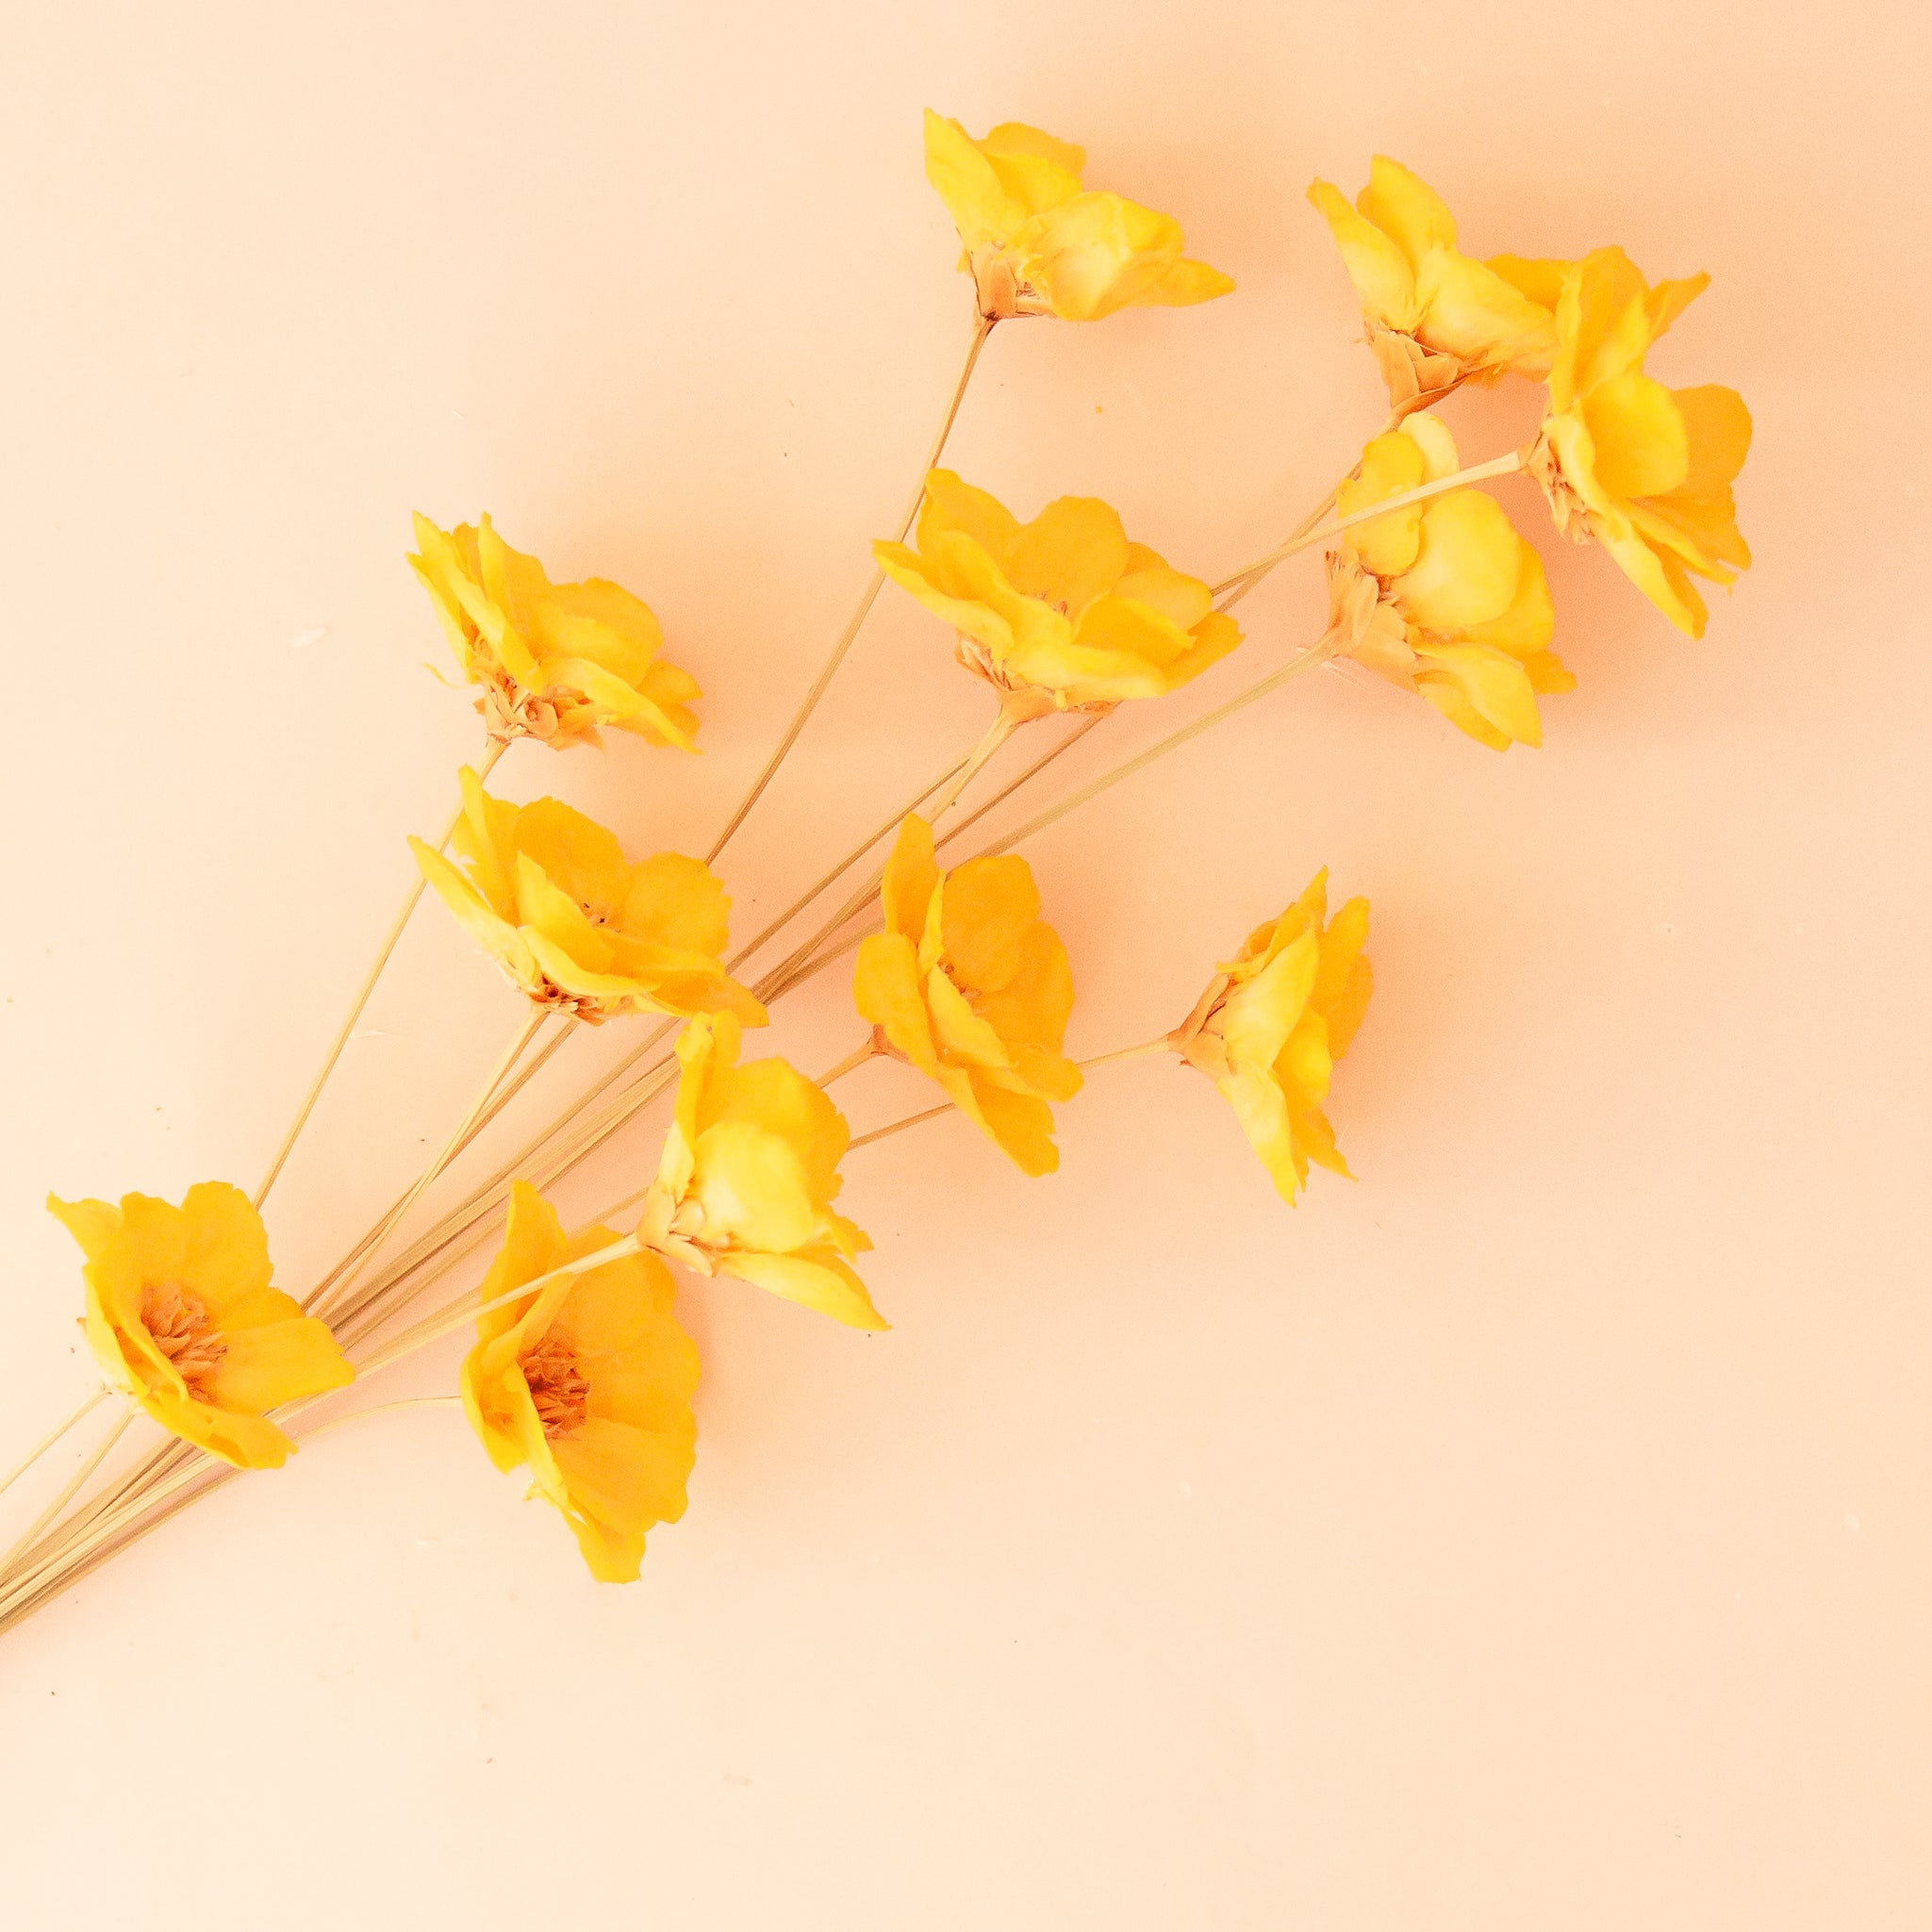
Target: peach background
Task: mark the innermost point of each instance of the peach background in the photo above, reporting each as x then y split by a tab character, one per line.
1535	1535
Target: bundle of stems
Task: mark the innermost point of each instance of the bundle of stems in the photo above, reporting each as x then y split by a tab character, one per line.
364	1293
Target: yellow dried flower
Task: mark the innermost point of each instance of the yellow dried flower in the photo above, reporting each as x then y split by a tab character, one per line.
1435	319
971	986
1646	469
588	1383
1272	1024
748	1176
181	1317
550	896
1062	613
1037	243
1444	597
551	661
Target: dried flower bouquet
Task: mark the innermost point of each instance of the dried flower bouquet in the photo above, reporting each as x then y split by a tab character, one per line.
580	1374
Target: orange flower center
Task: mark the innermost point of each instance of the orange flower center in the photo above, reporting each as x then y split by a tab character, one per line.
179	1324
556	1385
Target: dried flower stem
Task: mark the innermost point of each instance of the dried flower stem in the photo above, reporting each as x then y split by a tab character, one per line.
1253	576
861	1140
321	1428
52	1437
982	327
1316	654
69	1489
1032	771
491	753
1505	465
1004	724
350	1303
321	1297
838	872
866	1049
1159	1044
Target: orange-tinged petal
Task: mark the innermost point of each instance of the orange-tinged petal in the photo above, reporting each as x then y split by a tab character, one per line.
1021	1125
912	877
1468	560
1383	276
1071	553
886	991
1642	447
1717	428
981	206
987	907
819	1280
1406	209
276	1362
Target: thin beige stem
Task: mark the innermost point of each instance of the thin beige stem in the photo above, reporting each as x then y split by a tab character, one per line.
1158	1045
49	1568
547	1175
865	1140
514	1052
323	1428
1304	661
1498	466
69	1489
962	826
487	1196
491	753
821	684
1003	726
864	1051
844	866
1254	575
19	1601
53	1436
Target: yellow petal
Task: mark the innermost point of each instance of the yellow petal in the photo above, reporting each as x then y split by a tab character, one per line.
1383	276
1467	563
1525	626
1717	428
1029	1011
1390	465
1019	1125
1476	315
278	1361
1641	446
820	1280
1406	209
912	877
1494	685
1432	436
965	181
677	902
961	1033
1188	282
1097	254
886	991
1071	553
1260	1015
987	905
953	506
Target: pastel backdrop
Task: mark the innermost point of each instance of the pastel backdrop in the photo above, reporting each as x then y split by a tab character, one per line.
1533	1533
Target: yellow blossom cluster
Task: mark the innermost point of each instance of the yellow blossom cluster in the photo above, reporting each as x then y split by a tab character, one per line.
580	1373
